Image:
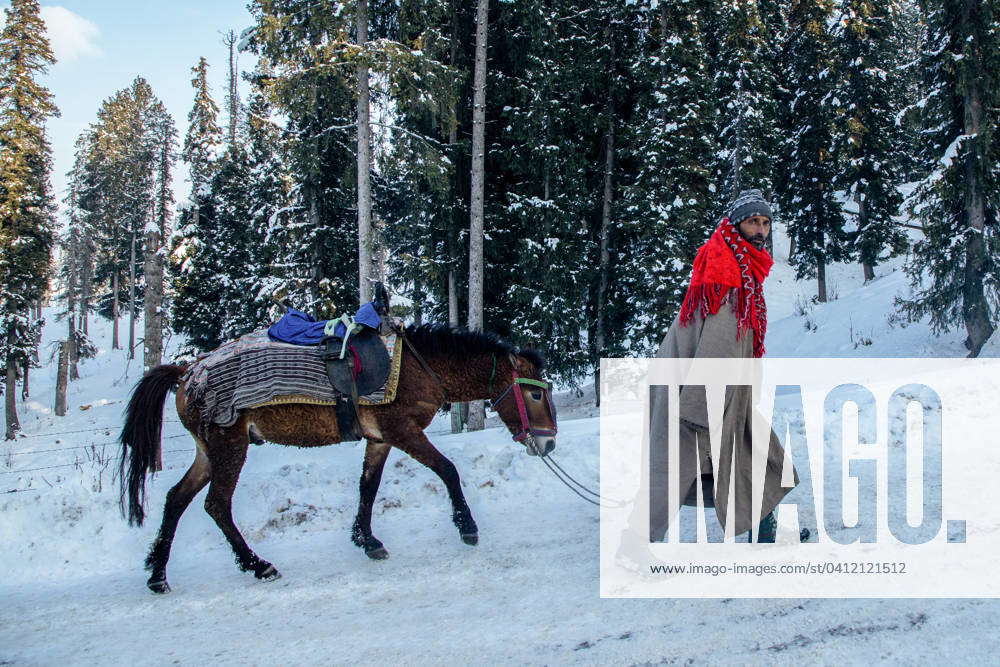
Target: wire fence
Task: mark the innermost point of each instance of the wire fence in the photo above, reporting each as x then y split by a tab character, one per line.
72	447
93	429
80	463
103	467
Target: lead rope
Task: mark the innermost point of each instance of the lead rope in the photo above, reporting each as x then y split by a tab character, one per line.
556	469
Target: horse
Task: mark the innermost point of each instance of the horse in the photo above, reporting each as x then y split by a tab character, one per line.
439	364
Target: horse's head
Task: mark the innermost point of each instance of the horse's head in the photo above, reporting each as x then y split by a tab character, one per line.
524	402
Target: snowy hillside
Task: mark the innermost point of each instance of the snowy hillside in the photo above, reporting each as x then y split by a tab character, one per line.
857	321
74	590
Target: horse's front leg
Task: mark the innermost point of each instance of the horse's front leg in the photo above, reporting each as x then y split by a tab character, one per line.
376	452
420	448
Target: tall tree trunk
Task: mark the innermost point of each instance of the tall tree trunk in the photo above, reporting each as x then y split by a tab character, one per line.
364	165
456	409
13	425
315	258
25	380
153	268
61	378
975	310
72	304
85	278
821	280
452	299
477	412
152	304
131	298
418	303
605	257
115	312
74	352
233	100
453	241
867	269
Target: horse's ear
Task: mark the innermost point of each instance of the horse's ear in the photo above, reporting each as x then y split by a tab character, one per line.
533	357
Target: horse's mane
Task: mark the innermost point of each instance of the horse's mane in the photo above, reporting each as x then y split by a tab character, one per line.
453	340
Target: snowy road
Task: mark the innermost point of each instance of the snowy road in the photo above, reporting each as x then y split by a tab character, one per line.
527	595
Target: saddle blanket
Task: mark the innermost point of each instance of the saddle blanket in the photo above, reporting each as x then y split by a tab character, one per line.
254	371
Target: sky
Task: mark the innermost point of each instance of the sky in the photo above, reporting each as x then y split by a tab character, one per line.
102	45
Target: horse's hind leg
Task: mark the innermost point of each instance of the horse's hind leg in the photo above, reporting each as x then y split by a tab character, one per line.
227	451
178	498
417	446
371	476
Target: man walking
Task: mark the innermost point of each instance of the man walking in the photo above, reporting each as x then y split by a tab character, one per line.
723	316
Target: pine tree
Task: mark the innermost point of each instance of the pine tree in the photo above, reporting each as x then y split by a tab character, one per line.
82	203
745	93
127	156
670	204
422	189
203	141
311	85
266	197
76	271
954	269
808	201
869	140
912	36
26	206
195	253
543	161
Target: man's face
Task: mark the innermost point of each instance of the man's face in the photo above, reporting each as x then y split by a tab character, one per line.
755	230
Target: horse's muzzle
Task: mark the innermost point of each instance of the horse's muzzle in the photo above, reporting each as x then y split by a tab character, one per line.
541	446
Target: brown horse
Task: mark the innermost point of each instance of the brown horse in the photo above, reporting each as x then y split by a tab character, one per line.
439	364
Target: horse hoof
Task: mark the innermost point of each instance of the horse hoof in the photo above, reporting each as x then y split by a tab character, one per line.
472	539
378	553
270	573
159	587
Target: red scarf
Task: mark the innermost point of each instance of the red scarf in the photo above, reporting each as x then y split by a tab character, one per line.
727	262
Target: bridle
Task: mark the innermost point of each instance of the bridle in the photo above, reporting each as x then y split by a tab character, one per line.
528	434
527	431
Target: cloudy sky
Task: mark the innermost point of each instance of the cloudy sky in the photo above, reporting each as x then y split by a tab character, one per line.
102	45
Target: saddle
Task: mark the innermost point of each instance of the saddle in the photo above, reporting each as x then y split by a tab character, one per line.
356	359
357	362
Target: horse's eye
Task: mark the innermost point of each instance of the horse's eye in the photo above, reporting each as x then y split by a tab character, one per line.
537	395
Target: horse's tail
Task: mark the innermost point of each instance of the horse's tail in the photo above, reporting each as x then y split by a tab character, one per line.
140	437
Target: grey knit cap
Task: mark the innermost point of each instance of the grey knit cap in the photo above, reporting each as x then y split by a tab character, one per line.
749	203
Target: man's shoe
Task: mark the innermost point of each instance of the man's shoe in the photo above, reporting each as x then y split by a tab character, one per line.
766	531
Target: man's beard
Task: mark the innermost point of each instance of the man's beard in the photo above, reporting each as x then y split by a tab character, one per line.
758	241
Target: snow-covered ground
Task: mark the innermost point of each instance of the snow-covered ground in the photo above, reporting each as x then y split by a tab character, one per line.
72	587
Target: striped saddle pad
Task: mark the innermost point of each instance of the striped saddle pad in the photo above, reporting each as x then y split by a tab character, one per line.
254	371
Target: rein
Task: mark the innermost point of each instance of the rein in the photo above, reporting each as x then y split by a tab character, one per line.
423	364
576	487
